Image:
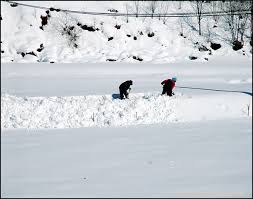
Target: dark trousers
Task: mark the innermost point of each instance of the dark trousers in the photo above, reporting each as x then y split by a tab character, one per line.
123	93
167	90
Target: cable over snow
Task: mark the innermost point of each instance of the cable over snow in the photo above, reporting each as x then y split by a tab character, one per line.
104	110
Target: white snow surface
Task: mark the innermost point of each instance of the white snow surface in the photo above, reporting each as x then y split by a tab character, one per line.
91	110
99	108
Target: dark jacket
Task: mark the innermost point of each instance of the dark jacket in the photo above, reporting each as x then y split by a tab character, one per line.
125	85
168	83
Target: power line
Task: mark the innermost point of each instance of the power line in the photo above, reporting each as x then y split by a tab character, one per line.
204	14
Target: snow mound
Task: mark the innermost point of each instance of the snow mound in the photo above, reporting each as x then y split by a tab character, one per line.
105	110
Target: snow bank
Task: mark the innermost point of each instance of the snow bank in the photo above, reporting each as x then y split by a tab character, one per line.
104	110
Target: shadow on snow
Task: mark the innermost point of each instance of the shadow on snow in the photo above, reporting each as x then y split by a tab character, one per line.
211	89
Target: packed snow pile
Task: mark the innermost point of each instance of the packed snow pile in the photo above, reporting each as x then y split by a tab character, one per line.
105	110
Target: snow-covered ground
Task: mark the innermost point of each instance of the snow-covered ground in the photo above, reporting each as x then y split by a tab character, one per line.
194	144
203	159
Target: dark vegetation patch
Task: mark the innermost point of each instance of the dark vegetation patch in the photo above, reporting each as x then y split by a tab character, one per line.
151	34
113	10
237	45
203	48
25	53
85	27
44	21
117	26
192	57
13	4
40	48
54	9
137	58
111	60
110	38
215	46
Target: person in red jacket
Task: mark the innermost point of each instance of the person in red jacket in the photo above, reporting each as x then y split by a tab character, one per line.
168	86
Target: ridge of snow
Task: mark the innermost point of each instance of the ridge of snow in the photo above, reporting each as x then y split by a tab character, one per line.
104	110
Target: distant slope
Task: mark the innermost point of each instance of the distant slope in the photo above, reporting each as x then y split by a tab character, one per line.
37	35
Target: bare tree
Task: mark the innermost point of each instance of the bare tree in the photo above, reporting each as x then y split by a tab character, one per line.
151	7
136	7
237	24
127	11
163	7
198	9
214	7
179	4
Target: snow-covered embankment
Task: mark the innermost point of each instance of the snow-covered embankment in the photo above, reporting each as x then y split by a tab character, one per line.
104	110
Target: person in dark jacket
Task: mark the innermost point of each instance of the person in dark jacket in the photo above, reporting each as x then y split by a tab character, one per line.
124	89
168	86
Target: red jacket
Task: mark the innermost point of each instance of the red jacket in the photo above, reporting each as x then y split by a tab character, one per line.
168	82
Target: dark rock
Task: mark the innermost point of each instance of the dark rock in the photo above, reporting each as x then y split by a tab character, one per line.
203	48
137	58
110	38
2	51
31	53
151	34
51	62
237	45
128	35
117	26
135	38
111	60
14	5
89	28
71	27
215	46
112	10
40	48
192	57
44	20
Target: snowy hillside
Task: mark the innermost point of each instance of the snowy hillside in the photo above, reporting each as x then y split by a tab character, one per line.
39	35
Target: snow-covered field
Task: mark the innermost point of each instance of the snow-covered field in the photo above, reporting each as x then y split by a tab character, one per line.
65	133
194	144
